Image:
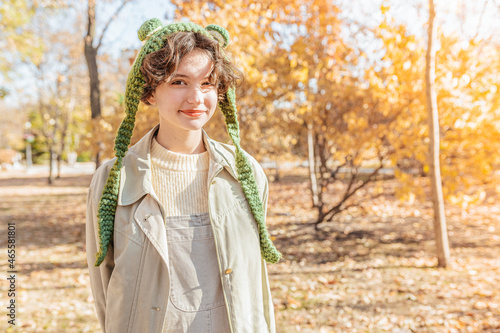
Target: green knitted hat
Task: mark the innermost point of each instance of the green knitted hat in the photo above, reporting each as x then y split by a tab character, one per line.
153	32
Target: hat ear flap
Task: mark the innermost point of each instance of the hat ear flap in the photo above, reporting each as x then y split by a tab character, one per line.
227	106
133	92
246	178
221	32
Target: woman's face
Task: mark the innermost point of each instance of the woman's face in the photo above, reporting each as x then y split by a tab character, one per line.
188	101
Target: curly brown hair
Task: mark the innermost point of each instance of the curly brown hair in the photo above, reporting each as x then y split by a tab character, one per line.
161	66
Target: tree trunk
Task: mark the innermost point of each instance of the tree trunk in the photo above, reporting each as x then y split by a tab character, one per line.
58	176
60	153
29	158
312	166
51	164
98	155
443	250
64	134
91	58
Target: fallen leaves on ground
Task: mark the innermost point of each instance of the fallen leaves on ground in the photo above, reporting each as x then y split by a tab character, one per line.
373	269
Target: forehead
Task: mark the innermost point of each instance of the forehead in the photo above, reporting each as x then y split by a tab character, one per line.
196	63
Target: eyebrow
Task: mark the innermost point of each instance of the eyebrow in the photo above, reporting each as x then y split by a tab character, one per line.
187	76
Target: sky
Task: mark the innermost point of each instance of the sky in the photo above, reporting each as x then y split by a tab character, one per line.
122	33
466	17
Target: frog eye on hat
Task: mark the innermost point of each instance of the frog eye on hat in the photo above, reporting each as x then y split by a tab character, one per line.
148	28
221	31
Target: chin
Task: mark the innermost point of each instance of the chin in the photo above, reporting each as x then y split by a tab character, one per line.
194	127
195	124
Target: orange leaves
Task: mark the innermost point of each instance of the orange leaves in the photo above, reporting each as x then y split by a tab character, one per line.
373	269
384	8
299	69
459	69
292	303
301	75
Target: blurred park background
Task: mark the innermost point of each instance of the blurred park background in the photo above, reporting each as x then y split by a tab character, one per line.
335	107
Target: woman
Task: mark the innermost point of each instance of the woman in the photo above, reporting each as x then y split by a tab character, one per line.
178	221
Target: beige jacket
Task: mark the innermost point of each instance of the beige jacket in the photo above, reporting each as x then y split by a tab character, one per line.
131	286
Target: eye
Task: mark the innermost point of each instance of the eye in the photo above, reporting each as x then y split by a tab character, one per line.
207	84
177	82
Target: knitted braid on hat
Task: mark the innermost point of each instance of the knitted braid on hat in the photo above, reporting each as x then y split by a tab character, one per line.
247	178
153	31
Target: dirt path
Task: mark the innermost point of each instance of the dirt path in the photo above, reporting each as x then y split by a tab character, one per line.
371	271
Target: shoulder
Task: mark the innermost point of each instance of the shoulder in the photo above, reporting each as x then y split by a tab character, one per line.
229	152
99	180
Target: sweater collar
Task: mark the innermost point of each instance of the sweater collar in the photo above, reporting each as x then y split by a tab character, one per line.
165	159
135	179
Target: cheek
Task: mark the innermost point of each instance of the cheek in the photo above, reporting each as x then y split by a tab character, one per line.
212	99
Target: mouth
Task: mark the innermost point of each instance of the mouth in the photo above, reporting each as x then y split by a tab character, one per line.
192	113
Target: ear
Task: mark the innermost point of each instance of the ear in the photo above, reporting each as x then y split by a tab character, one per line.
151	99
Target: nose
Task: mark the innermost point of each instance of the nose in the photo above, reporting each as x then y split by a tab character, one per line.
195	96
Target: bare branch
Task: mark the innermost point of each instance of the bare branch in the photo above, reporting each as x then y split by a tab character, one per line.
118	10
353	204
336	209
333	173
480	20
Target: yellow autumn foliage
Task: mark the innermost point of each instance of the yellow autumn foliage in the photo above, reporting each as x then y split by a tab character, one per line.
365	110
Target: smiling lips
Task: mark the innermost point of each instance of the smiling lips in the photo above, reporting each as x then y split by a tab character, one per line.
193	113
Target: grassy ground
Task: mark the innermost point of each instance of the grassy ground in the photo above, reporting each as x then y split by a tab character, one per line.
372	270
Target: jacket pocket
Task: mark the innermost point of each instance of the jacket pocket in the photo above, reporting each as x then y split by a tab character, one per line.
195	279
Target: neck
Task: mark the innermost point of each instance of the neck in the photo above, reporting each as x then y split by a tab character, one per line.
181	141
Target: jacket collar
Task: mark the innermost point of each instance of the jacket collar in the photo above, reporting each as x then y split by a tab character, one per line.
135	176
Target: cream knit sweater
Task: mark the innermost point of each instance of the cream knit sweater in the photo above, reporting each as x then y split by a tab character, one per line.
180	180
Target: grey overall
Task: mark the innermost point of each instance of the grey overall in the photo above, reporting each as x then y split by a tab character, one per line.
196	302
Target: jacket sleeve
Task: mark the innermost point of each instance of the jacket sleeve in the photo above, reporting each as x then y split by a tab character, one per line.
264	193
99	276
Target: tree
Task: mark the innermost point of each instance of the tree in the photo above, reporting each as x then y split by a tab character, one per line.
466	84
91	51
309	89
54	118
55	112
17	40
443	248
18	44
302	84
